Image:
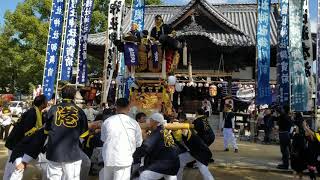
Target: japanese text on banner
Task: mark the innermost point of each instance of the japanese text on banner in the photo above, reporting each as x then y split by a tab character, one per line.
84	31
263	53
70	43
138	14
282	55
299	85
52	53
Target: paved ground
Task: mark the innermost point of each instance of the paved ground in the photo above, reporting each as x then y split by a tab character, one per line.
253	162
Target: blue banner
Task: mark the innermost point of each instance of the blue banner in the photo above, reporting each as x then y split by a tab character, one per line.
138	14
86	14
128	85
131	54
299	82
70	43
282	55
53	46
263	53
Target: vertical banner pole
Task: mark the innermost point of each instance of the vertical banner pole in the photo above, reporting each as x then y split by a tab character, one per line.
53	42
66	12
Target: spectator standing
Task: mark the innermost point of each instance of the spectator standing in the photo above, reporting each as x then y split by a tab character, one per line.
285	124
268	125
228	125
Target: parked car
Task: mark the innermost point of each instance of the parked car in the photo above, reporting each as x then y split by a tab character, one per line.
17	108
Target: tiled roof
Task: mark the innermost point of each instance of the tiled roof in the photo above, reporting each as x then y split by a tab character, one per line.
241	17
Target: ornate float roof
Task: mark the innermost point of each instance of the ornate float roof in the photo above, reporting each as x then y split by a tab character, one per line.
241	19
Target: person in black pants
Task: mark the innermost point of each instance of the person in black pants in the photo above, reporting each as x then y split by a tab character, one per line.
268	125
285	124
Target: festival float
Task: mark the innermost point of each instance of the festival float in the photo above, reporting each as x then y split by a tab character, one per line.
143	62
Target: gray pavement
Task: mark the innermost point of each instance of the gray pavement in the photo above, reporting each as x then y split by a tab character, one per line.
250	156
253	162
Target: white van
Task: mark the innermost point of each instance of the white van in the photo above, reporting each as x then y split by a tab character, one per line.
17	108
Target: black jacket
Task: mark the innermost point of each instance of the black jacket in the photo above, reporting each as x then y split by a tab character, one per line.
201	125
91	142
66	123
158	157
164	30
198	148
31	145
26	122
284	122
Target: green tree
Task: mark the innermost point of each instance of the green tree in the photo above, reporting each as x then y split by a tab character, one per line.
23	39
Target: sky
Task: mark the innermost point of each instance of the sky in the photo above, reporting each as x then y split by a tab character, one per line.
7	5
11	4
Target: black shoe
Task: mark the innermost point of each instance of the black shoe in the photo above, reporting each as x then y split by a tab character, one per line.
281	166
236	150
226	150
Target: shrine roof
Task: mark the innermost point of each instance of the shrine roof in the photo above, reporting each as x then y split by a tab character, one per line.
240	17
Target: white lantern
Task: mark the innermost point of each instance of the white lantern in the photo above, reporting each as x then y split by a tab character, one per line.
179	87
206	85
200	85
194	84
172	80
113	82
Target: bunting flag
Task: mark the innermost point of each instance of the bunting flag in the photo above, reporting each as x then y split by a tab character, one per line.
299	85
307	52
86	14
318	56
282	55
155	55
53	44
138	14
70	42
131	54
263	53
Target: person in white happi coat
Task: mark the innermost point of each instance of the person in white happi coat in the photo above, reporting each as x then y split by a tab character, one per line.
228	125
121	136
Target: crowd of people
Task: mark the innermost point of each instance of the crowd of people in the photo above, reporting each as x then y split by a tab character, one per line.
299	145
61	139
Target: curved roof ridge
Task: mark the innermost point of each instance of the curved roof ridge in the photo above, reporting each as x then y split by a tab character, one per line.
212	10
222	17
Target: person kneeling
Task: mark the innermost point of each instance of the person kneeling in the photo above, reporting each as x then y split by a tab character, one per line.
159	151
